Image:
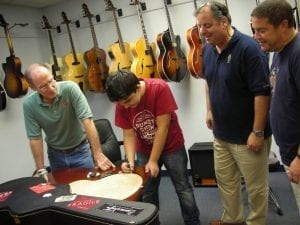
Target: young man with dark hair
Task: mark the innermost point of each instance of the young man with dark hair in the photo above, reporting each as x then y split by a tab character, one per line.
145	110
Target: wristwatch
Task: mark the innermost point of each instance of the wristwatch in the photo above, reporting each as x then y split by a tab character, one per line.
258	133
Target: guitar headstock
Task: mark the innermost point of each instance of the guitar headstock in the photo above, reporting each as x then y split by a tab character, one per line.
86	11
46	23
65	18
134	2
3	23
142	5
109	5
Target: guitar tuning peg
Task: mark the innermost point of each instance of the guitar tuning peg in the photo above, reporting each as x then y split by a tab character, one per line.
98	19
58	30
169	2
120	12
77	23
143	6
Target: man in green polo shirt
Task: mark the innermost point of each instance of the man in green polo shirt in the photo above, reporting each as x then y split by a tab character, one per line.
60	111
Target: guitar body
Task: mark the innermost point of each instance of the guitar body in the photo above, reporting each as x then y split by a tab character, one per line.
97	69
3	99
194	58
119	60
75	71
171	63
143	64
14	81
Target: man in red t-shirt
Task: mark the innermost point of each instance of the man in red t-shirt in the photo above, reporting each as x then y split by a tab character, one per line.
145	110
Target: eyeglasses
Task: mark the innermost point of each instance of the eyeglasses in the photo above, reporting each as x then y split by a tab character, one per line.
45	86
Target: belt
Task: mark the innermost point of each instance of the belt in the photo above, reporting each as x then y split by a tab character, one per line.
69	150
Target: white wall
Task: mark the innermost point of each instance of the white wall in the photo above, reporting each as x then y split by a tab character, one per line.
31	45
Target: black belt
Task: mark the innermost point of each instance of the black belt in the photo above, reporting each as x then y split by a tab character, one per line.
69	150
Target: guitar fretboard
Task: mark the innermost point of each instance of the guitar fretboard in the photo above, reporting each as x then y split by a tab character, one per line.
169	23
67	22
143	26
121	43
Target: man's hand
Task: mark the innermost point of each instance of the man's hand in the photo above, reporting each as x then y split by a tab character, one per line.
153	168
127	167
102	162
294	171
209	120
255	143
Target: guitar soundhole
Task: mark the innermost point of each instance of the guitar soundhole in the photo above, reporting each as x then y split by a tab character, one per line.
81	86
147	52
75	63
111	55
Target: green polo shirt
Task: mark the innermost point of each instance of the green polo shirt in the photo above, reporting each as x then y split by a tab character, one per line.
61	122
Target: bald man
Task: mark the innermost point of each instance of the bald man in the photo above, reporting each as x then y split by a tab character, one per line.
60	112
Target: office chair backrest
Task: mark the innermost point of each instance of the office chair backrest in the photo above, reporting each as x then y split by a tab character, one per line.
109	142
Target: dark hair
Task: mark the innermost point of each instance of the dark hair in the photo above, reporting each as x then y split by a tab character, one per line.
120	85
276	11
218	10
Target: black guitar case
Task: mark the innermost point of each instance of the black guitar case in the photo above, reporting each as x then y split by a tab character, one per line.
30	201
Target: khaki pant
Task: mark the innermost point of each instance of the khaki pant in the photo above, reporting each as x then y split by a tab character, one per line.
296	189
233	161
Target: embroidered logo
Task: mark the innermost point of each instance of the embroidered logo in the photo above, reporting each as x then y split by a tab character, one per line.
228	60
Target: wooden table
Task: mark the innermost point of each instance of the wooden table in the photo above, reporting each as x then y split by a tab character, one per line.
66	176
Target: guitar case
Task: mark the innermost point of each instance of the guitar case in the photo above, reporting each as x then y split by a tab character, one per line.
31	201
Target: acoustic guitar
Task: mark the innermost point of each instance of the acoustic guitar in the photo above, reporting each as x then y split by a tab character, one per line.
119	52
144	59
73	62
14	80
2	98
55	62
171	63
95	59
194	58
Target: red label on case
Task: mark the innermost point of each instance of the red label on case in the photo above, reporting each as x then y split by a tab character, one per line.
41	188
4	195
84	203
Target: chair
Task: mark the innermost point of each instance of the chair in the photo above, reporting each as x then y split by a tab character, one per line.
109	142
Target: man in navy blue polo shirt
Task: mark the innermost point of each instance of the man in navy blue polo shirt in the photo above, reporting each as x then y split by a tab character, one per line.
238	94
275	30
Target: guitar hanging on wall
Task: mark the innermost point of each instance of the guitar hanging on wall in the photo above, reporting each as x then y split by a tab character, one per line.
74	64
95	59
195	42
118	52
171	63
3	99
14	80
144	60
56	63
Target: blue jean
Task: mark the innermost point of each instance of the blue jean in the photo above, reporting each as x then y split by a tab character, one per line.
176	165
81	156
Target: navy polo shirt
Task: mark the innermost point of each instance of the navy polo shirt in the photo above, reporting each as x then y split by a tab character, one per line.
234	78
285	104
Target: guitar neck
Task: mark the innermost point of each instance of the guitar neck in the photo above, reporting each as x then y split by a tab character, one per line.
169	23
52	49
72	44
143	27
195	4
9	42
93	32
121	43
